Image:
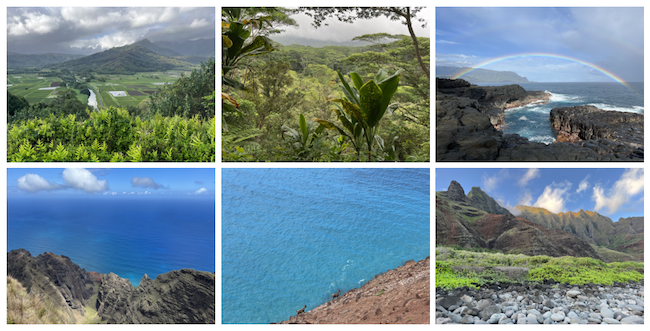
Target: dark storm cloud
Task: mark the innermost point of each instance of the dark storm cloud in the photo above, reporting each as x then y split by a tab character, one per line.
87	30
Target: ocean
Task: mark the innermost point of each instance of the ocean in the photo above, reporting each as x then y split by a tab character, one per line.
532	121
293	237
126	236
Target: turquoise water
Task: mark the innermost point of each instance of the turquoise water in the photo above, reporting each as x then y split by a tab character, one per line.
532	121
126	236
293	237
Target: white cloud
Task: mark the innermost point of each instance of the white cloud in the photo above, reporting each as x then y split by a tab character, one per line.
526	199
201	191
552	199
629	185
84	180
145	182
584	184
490	183
528	176
33	183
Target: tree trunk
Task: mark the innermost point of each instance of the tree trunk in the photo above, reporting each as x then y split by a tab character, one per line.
415	41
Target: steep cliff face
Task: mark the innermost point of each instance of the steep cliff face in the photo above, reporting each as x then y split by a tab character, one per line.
65	283
480	200
398	296
626	235
179	296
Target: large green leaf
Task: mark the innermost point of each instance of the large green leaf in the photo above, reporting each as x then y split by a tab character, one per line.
356	79
349	93
370	95
303	128
352	109
341	116
388	87
331	126
259	45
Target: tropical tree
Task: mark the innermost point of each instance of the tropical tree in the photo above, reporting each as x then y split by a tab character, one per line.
350	14
362	108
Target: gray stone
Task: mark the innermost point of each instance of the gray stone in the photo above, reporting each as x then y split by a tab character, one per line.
494	319
449	301
549	303
454	318
467	319
635	308
443	320
632	320
557	317
573	293
610	321
484	303
606	312
572	315
489	311
576	321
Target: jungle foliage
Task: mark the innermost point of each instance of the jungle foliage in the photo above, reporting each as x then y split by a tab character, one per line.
333	103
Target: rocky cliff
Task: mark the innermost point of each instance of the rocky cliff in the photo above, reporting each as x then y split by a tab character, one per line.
459	223
179	296
398	296
590	123
468	118
625	236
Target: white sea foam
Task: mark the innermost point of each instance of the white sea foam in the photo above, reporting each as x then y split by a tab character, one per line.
633	109
557	97
542	139
523	118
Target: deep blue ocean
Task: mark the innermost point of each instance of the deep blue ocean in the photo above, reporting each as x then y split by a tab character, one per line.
129	237
293	237
532	121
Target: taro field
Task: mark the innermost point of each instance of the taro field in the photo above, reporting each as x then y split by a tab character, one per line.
136	87
33	87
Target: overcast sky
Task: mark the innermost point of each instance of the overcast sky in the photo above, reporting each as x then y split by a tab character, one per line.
614	193
86	30
610	38
120	182
338	32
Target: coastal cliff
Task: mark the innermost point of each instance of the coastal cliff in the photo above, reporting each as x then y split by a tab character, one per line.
468	118
398	296
179	296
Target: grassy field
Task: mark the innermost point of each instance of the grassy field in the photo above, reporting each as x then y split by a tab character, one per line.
138	86
27	86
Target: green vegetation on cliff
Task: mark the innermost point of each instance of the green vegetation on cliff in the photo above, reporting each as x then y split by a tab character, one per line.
565	269
31	308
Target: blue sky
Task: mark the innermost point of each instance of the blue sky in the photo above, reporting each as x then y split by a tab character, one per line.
111	182
614	193
609	38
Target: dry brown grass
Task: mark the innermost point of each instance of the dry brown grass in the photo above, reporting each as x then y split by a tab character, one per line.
30	308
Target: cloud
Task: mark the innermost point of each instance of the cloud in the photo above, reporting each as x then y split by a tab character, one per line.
526	199
201	191
528	176
584	184
33	183
553	197
629	185
145	182
84	180
491	183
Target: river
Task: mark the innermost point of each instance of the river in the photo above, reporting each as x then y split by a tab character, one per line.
92	99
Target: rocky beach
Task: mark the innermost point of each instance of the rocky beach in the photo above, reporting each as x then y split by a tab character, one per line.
547	303
468	119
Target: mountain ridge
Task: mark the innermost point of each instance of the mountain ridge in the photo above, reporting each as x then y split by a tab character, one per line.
179	296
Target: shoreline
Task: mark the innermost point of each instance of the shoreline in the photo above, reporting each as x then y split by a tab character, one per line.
397	296
469	119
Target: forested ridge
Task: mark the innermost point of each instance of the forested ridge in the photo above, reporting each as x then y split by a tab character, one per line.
331	103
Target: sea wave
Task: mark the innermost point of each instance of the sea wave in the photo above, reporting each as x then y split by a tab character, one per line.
633	109
557	97
542	139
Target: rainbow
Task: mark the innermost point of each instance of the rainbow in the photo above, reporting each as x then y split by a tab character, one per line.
554	56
